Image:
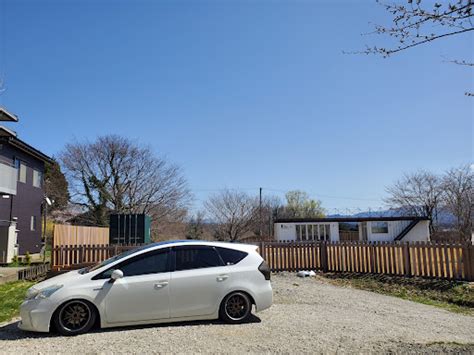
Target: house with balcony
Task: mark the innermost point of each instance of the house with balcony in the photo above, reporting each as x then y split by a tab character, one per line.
22	194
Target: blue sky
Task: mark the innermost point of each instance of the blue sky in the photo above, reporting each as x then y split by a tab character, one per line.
241	94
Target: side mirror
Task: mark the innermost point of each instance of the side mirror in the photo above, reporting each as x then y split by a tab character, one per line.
116	274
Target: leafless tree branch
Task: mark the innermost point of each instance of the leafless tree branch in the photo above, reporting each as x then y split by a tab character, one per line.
113	174
234	213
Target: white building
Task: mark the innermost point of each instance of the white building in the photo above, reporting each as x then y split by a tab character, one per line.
374	229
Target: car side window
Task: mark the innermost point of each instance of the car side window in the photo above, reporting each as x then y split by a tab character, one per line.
153	262
196	257
231	256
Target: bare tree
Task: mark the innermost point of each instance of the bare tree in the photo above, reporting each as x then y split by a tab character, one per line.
115	174
458	196
420	194
234	213
414	24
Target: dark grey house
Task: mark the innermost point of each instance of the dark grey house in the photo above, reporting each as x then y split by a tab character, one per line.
22	195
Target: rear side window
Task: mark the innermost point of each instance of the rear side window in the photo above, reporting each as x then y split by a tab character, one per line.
196	257
231	256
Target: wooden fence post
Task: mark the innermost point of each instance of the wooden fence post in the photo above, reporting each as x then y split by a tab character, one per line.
373	263
81	254
324	256
406	259
467	256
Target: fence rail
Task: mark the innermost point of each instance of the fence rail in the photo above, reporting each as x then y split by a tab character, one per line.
76	256
434	260
34	272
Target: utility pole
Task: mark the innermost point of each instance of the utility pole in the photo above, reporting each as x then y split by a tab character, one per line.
260	213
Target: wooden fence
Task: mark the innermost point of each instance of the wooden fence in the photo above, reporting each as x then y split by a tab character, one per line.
79	235
348	236
34	272
77	256
447	261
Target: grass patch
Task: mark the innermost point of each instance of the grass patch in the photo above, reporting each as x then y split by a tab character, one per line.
12	295
455	296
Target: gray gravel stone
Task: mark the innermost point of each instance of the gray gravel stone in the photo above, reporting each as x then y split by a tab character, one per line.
308	316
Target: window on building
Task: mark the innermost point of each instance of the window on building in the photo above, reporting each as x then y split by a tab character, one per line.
322	232
313	232
37	178
22	172
327	235
303	232
33	223
379	227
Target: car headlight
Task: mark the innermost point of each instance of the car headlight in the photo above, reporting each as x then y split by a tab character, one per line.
34	293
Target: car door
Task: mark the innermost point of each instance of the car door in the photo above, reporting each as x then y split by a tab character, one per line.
198	281
143	293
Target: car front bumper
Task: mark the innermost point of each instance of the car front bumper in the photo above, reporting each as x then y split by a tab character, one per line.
36	315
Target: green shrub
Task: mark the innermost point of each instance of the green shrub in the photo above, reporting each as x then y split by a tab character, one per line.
28	258
14	261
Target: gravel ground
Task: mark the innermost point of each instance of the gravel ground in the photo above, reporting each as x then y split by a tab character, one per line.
308	315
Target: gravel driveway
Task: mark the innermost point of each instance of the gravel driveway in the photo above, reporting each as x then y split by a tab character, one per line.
308	316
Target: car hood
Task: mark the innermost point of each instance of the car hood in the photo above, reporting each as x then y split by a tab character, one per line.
62	279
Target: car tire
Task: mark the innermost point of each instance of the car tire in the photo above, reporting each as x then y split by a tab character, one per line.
75	317
236	308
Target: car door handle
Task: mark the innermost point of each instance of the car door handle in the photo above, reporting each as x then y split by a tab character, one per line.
221	278
161	284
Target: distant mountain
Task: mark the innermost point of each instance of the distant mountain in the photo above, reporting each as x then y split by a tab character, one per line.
445	218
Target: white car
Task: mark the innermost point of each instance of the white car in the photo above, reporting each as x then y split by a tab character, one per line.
162	282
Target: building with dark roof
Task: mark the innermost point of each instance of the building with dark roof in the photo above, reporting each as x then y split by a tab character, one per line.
365	229
22	195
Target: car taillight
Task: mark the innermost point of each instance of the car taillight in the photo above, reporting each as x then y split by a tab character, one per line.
265	270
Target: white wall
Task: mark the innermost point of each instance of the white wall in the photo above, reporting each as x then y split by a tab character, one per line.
381	237
285	231
419	233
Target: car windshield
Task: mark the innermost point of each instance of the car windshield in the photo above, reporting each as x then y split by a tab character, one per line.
111	260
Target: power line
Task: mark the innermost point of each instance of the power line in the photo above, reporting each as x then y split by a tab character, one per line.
328	196
285	191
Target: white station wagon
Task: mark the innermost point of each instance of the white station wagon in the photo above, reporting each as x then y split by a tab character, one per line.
162	282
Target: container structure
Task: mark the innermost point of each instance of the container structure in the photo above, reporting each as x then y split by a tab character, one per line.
130	229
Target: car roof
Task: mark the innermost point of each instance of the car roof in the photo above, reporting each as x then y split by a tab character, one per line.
168	243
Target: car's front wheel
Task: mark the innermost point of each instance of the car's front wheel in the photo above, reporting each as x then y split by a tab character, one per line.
74	317
236	308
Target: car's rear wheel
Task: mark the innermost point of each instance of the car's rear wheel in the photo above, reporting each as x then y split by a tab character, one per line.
75	317
236	307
